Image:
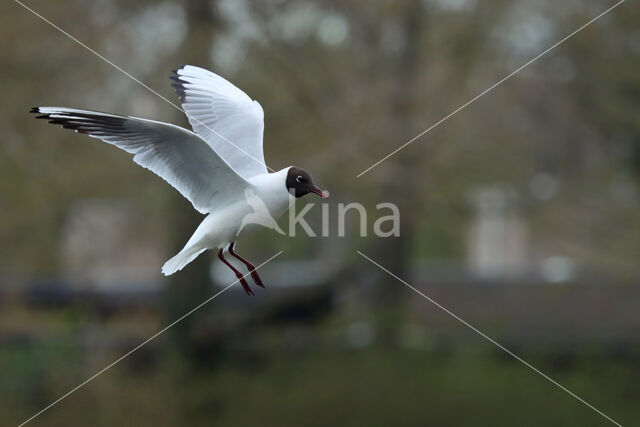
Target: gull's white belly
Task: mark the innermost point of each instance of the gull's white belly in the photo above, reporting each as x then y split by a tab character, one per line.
221	227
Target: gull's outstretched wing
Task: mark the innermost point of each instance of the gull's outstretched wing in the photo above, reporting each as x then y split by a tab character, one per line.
177	155
230	121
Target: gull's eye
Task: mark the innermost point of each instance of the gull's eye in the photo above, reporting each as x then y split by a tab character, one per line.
299	178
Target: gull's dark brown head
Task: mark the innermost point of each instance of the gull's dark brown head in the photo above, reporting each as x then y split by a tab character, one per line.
299	183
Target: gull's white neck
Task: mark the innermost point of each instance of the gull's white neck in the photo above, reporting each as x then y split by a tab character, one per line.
272	189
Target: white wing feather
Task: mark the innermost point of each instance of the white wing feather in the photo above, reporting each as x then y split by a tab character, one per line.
224	116
177	155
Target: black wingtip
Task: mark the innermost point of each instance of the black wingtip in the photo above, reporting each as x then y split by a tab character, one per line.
175	71
36	110
178	86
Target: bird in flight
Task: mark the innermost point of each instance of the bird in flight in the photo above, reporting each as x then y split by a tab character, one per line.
214	167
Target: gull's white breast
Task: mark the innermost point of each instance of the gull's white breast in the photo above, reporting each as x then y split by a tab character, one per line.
223	225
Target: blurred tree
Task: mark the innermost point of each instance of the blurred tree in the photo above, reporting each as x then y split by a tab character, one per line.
192	285
342	85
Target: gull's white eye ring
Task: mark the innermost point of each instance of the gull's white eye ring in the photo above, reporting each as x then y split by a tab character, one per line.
299	178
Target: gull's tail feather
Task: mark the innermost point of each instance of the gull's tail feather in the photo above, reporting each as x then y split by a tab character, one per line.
179	261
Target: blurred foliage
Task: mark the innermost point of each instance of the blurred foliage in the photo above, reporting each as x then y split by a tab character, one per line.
315	374
343	85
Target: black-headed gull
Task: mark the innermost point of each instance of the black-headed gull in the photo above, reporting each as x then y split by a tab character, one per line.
220	168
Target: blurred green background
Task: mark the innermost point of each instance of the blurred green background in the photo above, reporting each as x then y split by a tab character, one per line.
519	214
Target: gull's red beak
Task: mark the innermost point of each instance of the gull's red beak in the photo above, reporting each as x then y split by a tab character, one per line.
319	192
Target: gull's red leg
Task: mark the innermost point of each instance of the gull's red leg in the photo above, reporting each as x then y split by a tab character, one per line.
243	282
251	267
